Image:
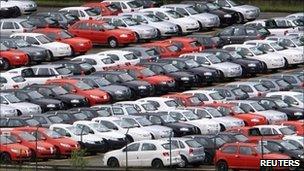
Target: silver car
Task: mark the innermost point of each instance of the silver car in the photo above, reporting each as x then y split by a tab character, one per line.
228	69
143	32
206	20
7	111
253	88
164	28
15	25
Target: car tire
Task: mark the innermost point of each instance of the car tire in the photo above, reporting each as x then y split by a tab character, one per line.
152	137
6	64
112	162
200	25
33	156
137	37
241	18
19	113
222	166
112	42
158	34
184	162
157	163
5	158
57	154
180	31
50	56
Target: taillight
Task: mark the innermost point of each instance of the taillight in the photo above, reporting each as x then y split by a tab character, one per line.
259	94
166	154
190	151
285	32
128	63
15	86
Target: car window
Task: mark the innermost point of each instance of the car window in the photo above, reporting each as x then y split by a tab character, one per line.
155	120
239	32
246	150
268	84
32	40
148	147
3	80
161	15
182	11
227	32
108	125
182	145
84	26
114	57
118	111
90	61
246	107
290	100
251	31
230	149
43	72
176	115
8	25
132	147
246	88
52	36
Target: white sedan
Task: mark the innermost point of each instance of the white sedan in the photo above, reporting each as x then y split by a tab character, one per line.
121	57
99	62
83	13
207	96
291	42
57	49
295	99
12	81
145	153
161	103
25	6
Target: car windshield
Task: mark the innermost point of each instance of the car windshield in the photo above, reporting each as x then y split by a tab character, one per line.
276	46
238	110
134	4
153	18
43	39
297	41
131	110
52	134
124	124
215	113
193	144
299	97
126	77
107	61
171	103
190	115
169	68
65	34
257	106
130	22
130	56
282	83
27	136
149	107
107	26
80	116
92	12
55	119
222	56
234	3
234	54
147	72
77	130
238	92
195	100
256	51
241	137
86	66
216	96
18	79
112	7
213	59
191	63
5	140
63	71
26	24
59	90
35	95
102	81
173	48
301	77
144	121
12	98
287	131
281	103
83	86
21	43
288	145
213	6
174	14
192	10
260	87
152	52
99	127
168	119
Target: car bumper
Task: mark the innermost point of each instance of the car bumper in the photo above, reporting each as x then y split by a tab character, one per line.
147	36
174	161
38	58
196	159
62	53
211	23
126	40
82	48
232	74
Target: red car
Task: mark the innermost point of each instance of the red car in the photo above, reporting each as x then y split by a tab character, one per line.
297	126
101	32
165	49
250	119
253	134
186	99
79	45
94	95
246	156
186	44
63	145
161	83
105	8
12	57
44	149
12	151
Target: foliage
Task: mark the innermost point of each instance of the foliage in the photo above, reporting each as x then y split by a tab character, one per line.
78	160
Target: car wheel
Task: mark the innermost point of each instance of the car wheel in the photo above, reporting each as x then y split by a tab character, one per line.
113	162
6	64
152	137
156	163
222	166
33	157
5	158
19	113
137	37
57	154
50	56
286	63
179	31
158	34
184	162
200	25
241	19
113	43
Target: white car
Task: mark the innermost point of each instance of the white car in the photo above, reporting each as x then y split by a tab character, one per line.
185	24
12	81
121	57
15	25
272	60
155	153
23	108
294	24
207	96
126	5
295	99
206	20
161	103
132	132
291	56
250	106
299	15
253	89
99	62
83	13
275	130
141	107
156	131
7	111
206	126
297	141
291	42
225	122
25	6
271	26
57	49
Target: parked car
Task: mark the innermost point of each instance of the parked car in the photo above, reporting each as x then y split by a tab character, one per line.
77	67
297	126
165	49
7	111
69	116
12	122
292	98
186	44
207	41
65	19
12	81
126	6
289	42
275	130
83	13
271	26
151	3
8	11
105	8
230	93
140	107
42	21
207	96
253	89
145	54
12	57
273	84
162	103
99	62
15	25
186	99
100	32
42	120
295	79
121	57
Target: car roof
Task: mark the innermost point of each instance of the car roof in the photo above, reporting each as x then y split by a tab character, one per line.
270	126
240	45
61	125
47	66
75	8
251	83
285	93
154	63
83	122
109	118
27	34
114	51
242	101
177	5
13	19
260	41
200	91
156	9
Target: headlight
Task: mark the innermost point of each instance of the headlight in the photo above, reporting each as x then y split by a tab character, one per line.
185	78
163	82
65	145
16	151
118	92
301	156
94	97
50	105
41	148
75	101
17	57
227	16
207	73
90	142
184	129
252	65
297	113
123	35
81	44
142	87
254	120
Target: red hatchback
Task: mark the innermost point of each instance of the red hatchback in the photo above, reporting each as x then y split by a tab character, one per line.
94	95
297	126
12	57
186	44
165	49
105	8
101	32
63	145
79	45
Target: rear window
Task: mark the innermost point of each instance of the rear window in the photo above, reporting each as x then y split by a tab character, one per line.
193	144
92	12
167	146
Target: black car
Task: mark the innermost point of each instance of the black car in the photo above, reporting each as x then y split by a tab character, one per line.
269	103
117	92
9	122
227	17
151	3
207	41
182	79
92	112
180	129
57	92
35	97
35	54
68	116
230	93
65	19
9	12
295	79
138	88
77	67
206	75
42	120
41	21
249	66
238	34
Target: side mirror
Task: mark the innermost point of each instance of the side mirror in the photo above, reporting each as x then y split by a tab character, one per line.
251	110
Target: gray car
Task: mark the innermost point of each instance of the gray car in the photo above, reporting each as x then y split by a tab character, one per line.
146	54
253	89
227	69
36	54
15	25
164	28
117	92
273	84
230	93
143	32
7	111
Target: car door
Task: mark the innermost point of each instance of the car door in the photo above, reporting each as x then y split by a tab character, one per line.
32	41
251	33
249	158
99	33
226	35
133	155
231	155
148	152
83	29
239	35
7	28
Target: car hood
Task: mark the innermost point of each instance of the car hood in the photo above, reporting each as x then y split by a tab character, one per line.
185	20
158	78
247	61
245	8
290	52
229	120
75	40
225	65
90	137
111	135
55	45
272	114
205	15
16	146
180	74
161	24
32	49
114	88
222	12
95	92
141	28
24	105
41	144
